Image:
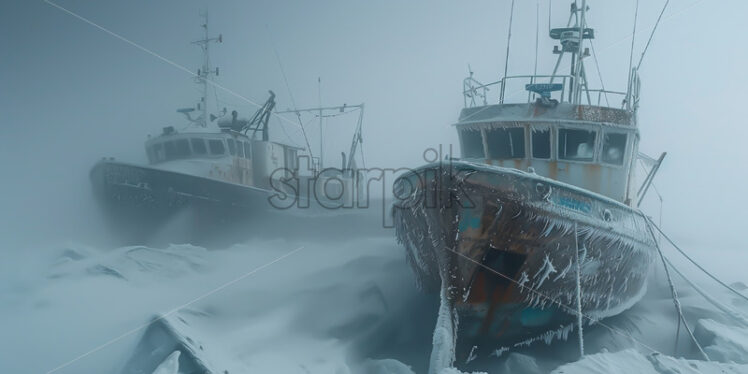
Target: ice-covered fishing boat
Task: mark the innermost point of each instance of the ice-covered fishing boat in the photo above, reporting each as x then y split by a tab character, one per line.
538	219
223	169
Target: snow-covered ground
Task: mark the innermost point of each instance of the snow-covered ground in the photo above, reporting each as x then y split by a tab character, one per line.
294	306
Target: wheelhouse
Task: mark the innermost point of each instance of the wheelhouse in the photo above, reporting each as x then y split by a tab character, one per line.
182	146
593	155
590	145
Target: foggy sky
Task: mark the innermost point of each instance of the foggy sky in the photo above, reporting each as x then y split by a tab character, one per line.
71	93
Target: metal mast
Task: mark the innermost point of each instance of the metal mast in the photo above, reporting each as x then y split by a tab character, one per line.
572	42
204	73
579	75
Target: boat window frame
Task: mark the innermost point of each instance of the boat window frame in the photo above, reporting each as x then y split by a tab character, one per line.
480	134
201	140
180	143
506	128
588	128
170	150
624	156
551	137
223	147
232	146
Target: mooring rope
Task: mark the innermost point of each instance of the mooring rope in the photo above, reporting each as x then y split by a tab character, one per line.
737	317
695	263
676	301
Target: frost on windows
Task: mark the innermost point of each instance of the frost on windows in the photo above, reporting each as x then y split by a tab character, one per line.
613	147
576	145
505	143
541	143
472	144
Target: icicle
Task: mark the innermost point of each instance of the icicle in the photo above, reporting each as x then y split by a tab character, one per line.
579	291
547	269
500	351
471	356
445	334
524	278
563	272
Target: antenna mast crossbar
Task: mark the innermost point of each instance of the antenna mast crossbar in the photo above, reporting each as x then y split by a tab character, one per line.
206	71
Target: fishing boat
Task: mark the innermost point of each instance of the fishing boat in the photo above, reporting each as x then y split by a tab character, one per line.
224	170
536	226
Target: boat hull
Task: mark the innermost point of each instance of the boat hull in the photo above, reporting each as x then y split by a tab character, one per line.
506	241
139	201
149	205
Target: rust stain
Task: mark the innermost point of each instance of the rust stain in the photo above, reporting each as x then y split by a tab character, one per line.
553	170
478	290
592	177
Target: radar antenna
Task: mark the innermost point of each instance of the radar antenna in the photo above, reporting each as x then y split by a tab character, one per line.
572	41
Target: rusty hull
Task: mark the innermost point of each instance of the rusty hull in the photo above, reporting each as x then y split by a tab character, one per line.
453	216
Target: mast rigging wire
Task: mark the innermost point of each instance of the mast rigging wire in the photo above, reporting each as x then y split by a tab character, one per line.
654	29
631	54
293	102
599	73
508	41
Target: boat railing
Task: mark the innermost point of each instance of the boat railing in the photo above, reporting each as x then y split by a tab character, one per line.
525	89
608	96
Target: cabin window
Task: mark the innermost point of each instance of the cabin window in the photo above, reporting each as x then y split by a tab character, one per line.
171	150
158	152
232	146
504	143
247	151
216	147
541	143
576	145
614	146
198	146
472	144
183	148
239	149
